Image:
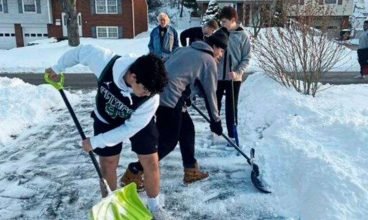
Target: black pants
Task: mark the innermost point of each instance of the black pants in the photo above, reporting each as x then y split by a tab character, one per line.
231	108
174	126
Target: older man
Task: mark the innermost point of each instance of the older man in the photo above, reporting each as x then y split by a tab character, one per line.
163	38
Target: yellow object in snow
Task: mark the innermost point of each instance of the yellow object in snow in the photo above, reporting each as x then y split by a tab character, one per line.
122	204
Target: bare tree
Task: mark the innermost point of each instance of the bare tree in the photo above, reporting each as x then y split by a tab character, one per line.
69	7
298	55
261	16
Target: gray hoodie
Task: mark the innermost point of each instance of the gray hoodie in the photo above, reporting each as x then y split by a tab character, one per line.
194	66
238	50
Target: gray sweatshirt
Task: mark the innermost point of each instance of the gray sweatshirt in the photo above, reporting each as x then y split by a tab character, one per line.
194	66
238	50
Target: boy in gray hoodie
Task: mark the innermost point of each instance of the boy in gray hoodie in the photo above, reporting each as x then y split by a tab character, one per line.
190	68
232	66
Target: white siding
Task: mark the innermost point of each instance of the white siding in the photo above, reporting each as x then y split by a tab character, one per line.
14	17
7	37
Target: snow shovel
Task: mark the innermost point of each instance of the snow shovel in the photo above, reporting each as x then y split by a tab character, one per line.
122	204
235	129
255	169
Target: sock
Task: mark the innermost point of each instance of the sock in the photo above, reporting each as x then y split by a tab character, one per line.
135	167
153	203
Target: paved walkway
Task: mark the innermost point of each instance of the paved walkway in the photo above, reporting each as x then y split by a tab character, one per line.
85	80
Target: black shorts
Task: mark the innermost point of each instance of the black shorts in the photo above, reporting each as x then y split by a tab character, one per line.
144	142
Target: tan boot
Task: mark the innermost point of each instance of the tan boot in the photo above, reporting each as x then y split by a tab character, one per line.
130	177
193	174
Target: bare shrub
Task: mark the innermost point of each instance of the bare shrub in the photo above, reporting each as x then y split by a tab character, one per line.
298	55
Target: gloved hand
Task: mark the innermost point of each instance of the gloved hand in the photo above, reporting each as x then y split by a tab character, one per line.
216	127
188	102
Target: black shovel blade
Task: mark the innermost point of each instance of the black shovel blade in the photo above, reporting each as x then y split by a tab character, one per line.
256	181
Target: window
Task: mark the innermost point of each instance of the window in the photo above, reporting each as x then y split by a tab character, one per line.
29	5
107	32
330	1
106	6
1	6
296	2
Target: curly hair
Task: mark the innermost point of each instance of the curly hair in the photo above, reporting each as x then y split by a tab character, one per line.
151	72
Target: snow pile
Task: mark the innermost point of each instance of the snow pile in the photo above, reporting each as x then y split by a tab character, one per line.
24	105
313	150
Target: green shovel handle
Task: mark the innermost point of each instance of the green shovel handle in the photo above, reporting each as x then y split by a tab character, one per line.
57	85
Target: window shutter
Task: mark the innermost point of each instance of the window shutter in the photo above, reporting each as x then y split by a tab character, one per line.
20	6
120	32
94	34
339	2
93	8
5	2
120	7
38	5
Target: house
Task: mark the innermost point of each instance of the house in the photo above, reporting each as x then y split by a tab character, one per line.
331	14
23	21
250	10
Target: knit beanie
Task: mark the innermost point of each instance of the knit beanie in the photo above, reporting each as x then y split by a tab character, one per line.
218	38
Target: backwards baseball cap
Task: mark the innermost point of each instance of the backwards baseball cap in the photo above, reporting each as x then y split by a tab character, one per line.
218	38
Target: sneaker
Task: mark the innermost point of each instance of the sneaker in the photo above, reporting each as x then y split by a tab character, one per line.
130	177
161	214
193	174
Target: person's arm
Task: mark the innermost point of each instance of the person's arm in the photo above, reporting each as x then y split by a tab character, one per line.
96	58
245	57
137	121
183	38
150	43
208	80
176	42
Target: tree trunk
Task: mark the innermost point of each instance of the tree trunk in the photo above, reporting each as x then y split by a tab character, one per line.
69	7
181	10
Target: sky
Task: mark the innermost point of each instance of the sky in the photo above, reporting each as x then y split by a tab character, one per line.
311	151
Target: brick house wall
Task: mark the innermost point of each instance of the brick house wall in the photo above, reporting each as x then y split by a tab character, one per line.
123	20
141	16
19	35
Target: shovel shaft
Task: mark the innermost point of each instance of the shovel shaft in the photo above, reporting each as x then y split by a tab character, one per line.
223	135
81	132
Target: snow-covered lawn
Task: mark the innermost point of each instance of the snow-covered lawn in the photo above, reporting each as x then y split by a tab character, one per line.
312	151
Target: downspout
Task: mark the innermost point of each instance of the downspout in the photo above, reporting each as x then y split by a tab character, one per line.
50	12
133	16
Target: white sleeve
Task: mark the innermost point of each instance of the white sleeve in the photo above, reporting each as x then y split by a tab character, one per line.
96	58
137	121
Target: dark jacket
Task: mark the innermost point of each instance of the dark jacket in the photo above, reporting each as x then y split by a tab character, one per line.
194	34
169	43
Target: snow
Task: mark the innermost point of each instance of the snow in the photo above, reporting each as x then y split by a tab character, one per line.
34	59
311	151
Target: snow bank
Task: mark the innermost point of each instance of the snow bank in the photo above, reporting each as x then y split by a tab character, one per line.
313	150
24	105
